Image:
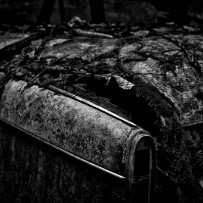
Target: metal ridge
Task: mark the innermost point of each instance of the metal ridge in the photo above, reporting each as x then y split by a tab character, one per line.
63	151
90	103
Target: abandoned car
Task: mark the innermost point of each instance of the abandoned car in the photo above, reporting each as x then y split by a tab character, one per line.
92	117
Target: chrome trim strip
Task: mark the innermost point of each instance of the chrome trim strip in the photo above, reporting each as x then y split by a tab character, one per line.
73	96
64	151
130	167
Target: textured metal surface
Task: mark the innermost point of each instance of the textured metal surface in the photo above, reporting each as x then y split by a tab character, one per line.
53	146
163	63
154	77
136	190
55	89
32	172
69	124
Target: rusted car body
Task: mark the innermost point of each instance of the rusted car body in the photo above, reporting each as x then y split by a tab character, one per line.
59	147
83	117
114	147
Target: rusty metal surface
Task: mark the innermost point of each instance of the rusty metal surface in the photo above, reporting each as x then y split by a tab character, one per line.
62	151
69	124
31	172
135	192
166	60
153	77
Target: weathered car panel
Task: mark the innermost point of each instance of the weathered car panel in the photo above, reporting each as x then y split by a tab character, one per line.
152	77
81	130
33	172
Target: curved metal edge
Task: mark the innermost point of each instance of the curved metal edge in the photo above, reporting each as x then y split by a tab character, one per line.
89	103
69	154
130	167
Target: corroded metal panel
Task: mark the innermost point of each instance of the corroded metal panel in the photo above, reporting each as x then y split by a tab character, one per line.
165	59
69	124
154	77
32	172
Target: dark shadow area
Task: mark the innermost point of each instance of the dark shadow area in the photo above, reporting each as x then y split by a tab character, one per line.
136	11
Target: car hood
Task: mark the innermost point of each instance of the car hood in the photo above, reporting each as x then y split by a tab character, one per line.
154	65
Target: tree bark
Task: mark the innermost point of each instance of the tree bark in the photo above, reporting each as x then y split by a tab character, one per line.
97	11
46	11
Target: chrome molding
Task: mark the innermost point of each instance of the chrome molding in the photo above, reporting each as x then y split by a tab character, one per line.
73	96
63	151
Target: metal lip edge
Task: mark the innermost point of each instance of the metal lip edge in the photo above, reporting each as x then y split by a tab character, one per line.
85	101
63	151
78	98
